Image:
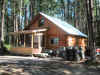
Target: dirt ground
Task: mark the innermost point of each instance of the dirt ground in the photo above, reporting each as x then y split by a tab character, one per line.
17	65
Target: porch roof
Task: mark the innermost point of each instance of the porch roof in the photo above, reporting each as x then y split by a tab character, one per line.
68	28
28	31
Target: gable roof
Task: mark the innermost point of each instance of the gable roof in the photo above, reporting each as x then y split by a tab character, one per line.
68	28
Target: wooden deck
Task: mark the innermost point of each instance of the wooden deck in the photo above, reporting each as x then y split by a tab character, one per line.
25	51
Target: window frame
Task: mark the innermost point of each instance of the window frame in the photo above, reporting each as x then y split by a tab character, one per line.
41	22
54	41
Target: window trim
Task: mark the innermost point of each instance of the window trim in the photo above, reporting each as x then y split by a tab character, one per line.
55	41
41	21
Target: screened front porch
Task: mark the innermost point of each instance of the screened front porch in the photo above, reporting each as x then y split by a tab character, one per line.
27	42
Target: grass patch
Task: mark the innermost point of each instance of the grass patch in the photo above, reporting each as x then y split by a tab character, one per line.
7	46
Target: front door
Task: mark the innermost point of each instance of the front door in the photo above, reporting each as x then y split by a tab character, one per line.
38	41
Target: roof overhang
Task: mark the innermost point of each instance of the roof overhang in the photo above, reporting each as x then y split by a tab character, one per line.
28	31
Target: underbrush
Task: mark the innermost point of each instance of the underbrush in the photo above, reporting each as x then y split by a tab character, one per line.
7	46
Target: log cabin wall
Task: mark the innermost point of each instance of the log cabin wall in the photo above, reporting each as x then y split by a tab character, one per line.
56	32
71	40
53	32
82	43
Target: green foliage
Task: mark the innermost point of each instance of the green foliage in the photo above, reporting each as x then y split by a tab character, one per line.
8	46
26	2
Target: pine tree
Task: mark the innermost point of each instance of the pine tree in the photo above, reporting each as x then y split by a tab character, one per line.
2	20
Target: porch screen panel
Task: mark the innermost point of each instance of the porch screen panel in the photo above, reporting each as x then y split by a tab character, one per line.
12	40
15	41
21	40
35	43
28	39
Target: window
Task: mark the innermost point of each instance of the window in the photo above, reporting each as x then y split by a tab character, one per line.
41	22
55	41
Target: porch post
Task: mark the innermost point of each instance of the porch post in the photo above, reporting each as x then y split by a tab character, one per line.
39	44
32	43
45	39
32	40
39	41
17	39
24	41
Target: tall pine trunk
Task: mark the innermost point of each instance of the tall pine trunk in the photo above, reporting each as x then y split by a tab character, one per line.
2	20
21	1
91	37
26	19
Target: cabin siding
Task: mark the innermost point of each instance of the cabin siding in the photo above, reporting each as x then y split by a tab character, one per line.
53	32
82	43
71	41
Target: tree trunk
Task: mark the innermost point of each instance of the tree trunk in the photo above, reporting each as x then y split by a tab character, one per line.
2	20
26	19
32	5
91	37
16	23
21	1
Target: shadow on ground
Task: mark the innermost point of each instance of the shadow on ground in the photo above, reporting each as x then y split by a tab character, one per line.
17	66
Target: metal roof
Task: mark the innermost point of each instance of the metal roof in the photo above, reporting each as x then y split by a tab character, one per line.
64	25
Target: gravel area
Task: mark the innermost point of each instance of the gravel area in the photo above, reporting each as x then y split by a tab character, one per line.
17	65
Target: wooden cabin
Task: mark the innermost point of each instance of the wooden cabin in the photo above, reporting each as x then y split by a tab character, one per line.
46	32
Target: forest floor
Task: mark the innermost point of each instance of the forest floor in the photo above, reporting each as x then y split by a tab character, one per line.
18	65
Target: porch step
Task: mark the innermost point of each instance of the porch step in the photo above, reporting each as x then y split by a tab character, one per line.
41	55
